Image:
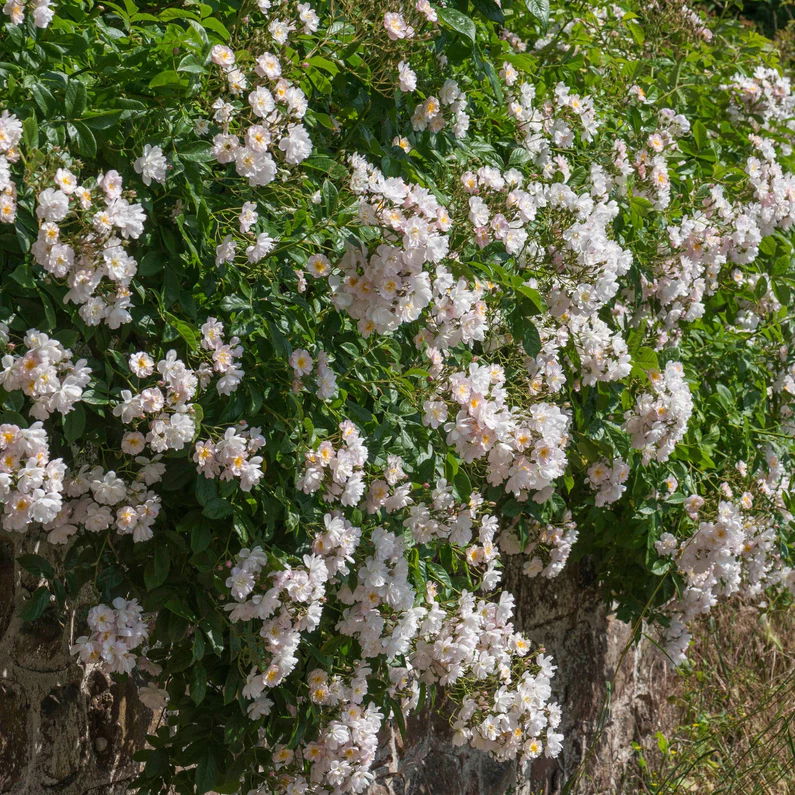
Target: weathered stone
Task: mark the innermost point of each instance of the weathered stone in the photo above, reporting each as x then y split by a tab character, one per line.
39	646
6	585
14	740
60	730
591	649
62	734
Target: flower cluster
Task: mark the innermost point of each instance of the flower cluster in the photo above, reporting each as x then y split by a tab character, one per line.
231	457
86	245
31	484
651	166
392	492
325	378
287	602
603	353
40	10
589	261
225	355
255	252
388	287
168	411
268	125
430	114
99	499
547	547
737	552
115	632
659	420
517	203
457	315
766	94
524	449
46	374
506	715
340	758
380	610
340	470
10	135
607	480
396	26
445	519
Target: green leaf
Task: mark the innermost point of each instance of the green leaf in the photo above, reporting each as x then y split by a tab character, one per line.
156	569
645	359
206	775
191	64
185	330
439	573
462	485
36	565
198	645
458	22
211	23
44	99
197	152
217	508
84	138
540	10
35	605
23	276
74	423
699	134
168	78
30	132
198	682
75	99
200	538
490	9
329	195
531	341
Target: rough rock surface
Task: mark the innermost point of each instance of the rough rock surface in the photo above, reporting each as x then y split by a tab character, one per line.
60	731
594	657
64	732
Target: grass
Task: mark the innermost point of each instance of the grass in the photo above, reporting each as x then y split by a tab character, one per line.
735	706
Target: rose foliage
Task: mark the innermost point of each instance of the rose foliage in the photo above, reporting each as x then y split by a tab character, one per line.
316	315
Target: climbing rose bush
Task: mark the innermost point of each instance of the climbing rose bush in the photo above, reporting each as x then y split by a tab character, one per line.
317	316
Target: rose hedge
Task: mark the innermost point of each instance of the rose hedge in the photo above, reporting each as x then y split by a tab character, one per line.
314	314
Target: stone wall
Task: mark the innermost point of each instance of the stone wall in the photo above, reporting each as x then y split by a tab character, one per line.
66	733
60	732
593	655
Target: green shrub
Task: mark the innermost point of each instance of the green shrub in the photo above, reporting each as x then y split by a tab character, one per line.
323	311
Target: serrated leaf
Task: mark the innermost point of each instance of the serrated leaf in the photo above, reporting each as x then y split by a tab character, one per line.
167	78
699	134
531	341
198	683
75	100
458	22
156	569
84	138
539	9
217	508
200	538
36	565
30	132
36	604
74	423
185	330
206	775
